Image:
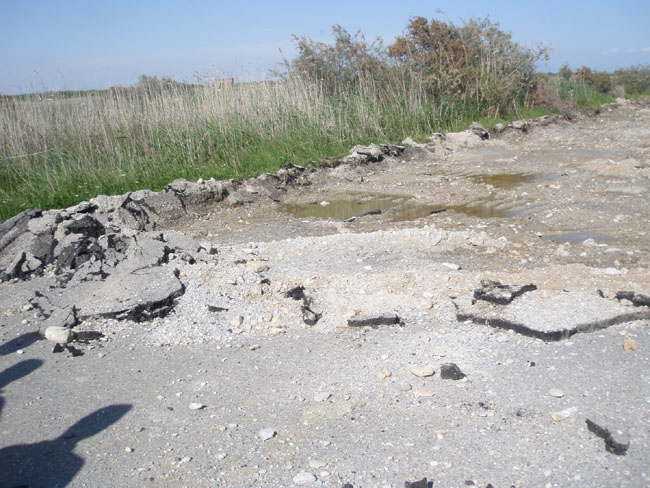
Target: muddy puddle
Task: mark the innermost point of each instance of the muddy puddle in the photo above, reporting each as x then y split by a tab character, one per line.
574	237
346	208
401	208
482	209
507	181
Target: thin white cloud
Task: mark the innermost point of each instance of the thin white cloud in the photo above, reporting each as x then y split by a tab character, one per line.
609	52
645	49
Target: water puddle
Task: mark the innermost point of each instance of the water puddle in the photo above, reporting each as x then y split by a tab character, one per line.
507	181
484	210
574	237
346	208
376	204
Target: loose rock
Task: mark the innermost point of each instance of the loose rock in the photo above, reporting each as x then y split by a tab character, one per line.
59	335
382	373
420	371
304	478
563	414
629	345
266	434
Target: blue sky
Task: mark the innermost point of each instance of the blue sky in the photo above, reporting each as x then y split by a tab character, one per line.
95	44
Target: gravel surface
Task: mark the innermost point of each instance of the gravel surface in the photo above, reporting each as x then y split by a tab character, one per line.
326	343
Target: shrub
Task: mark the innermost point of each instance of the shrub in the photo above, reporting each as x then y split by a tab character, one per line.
635	79
341	64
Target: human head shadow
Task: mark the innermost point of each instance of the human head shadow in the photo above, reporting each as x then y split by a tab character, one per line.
17	371
53	463
19	342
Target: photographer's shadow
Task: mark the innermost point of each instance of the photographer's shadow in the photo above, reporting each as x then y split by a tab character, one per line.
53	463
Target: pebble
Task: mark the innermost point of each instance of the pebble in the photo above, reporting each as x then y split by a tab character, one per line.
629	345
222	455
556	392
424	393
197	406
237	320
322	396
304	478
563	414
420	371
266	434
128	449
317	464
184	460
404	386
20	351
257	266
452	266
382	373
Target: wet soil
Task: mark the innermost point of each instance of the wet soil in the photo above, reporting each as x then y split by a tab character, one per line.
564	183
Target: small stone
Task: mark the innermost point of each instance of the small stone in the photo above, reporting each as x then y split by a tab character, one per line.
222	455
563	414
257	266
317	464
266	434
450	371
237	320
20	351
382	373
128	449
322	396
420	371
452	266
424	393
185	460
254	347
629	345
276	331
404	386
222	428
556	392
59	335
304	478
197	406
101	355
426	304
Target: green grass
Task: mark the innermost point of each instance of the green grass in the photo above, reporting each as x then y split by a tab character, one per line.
583	95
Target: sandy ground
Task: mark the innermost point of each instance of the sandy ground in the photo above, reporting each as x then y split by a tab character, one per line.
259	377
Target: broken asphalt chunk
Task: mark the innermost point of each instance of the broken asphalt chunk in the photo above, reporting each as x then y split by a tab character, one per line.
375	321
451	371
550	318
423	483
495	292
638	300
616	440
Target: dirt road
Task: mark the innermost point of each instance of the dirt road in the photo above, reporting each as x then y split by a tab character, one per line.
314	348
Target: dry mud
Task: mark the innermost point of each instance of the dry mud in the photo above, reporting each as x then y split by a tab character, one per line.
310	347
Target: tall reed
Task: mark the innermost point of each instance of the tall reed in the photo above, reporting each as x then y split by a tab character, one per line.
56	151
